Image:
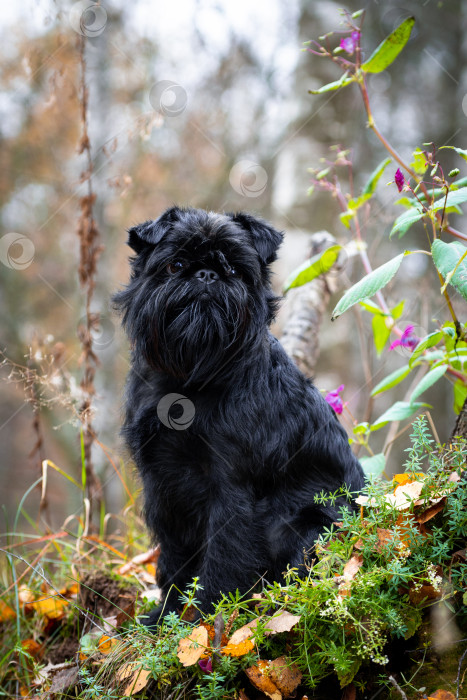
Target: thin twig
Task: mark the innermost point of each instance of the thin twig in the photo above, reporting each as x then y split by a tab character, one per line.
397	687
89	252
459	668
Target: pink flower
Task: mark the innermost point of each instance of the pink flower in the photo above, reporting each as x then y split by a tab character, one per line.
350	43
334	400
408	339
399	179
205	665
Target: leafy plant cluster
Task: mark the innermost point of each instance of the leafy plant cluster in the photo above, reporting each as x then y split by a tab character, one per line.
428	195
371	578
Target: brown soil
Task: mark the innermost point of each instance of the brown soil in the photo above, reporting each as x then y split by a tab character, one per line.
102	596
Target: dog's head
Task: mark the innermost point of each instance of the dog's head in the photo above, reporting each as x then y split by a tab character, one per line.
199	294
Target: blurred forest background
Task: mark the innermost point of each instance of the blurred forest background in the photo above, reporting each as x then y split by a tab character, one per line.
180	94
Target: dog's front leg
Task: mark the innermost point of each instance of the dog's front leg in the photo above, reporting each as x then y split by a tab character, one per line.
234	549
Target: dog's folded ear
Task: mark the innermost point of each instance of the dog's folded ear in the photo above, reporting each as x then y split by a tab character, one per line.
151	232
264	237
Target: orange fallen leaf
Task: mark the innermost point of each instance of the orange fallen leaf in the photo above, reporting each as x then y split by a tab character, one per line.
384	536
238	649
137	683
424	593
6	613
32	647
350	571
191	648
106	644
430	512
406	478
285	675
441	695
151	569
52	607
127	670
259	677
71	590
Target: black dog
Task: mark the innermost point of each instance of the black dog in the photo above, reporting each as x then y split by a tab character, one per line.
231	441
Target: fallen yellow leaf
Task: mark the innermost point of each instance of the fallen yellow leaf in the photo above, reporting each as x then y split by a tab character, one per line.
259	677
239	649
106	644
402	479
191	648
137	683
6	613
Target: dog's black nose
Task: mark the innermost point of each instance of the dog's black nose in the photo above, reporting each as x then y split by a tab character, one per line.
207	276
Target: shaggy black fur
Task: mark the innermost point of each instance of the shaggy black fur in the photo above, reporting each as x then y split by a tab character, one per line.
229	491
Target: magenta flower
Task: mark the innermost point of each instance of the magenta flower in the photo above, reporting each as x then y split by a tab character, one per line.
334	400
205	665
408	339
399	179
350	43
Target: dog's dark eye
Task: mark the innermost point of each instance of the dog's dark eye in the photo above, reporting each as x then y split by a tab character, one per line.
174	267
233	272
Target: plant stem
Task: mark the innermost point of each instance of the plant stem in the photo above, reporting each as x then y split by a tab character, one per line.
398	159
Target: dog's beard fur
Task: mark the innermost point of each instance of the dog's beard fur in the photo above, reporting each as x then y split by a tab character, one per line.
186	329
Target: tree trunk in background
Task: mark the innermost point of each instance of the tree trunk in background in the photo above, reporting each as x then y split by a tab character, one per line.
460	428
300	335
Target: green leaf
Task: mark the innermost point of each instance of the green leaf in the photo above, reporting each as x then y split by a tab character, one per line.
405	221
346	79
366	194
315	266
391	380
347	216
397	310
375	176
322	173
390	48
361	428
458	355
370	306
406	202
369	285
460	151
398	411
419	163
453	199
373	466
429	358
448	260
460	394
439	190
428	342
381	331
428	380
355	204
